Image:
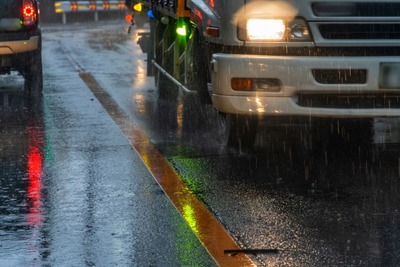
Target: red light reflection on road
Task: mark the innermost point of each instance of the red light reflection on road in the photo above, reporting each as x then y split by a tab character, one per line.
35	159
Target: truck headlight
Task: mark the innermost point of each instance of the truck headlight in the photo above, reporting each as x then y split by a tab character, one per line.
260	29
265	29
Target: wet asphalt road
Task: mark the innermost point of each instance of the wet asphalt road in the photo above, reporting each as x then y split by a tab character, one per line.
73	190
75	193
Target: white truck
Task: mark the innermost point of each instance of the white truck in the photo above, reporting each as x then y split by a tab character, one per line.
267	58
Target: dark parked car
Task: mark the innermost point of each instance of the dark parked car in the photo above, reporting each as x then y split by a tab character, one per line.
20	42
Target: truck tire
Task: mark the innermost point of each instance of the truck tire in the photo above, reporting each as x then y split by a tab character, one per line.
33	75
196	74
238	131
163	38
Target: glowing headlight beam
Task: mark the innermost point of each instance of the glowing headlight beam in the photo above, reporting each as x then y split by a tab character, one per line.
266	29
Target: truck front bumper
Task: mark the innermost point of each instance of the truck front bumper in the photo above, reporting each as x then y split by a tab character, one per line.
309	86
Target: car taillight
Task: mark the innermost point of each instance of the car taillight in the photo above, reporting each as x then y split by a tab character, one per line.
29	13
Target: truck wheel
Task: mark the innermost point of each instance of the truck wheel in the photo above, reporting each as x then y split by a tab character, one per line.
237	131
196	67
163	38
33	75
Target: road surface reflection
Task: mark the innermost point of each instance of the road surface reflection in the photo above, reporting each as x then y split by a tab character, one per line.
21	161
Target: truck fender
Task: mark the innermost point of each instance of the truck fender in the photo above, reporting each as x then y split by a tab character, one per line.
202	14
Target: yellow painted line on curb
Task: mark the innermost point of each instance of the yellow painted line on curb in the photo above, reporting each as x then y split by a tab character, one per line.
208	230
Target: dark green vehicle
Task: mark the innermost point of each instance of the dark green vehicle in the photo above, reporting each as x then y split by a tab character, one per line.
20	42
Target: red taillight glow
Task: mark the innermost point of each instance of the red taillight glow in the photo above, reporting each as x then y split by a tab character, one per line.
29	13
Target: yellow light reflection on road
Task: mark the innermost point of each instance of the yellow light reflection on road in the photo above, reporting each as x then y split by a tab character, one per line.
207	228
139	100
139	63
189	215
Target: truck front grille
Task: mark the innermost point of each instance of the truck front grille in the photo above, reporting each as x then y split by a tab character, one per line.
351	9
361	31
350	101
